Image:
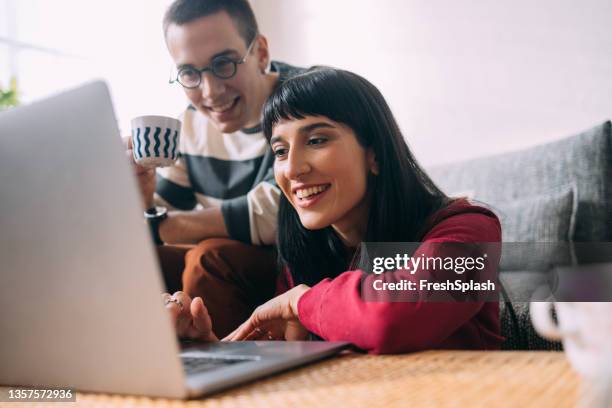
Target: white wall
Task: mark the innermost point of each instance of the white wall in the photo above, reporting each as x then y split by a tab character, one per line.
464	77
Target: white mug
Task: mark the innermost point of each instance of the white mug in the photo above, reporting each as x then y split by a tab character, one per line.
585	328
155	140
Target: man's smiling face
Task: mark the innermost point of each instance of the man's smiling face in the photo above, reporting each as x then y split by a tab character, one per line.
230	104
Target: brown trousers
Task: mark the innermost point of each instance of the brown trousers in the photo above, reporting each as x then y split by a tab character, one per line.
231	277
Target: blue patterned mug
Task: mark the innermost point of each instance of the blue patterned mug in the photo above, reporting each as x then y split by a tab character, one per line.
155	140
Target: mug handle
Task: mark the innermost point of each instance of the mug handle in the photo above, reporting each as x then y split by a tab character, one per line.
542	320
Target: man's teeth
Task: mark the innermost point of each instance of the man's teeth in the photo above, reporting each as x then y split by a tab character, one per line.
222	108
307	192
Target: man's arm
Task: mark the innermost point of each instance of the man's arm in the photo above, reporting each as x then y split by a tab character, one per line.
253	219
171	187
185	224
188	227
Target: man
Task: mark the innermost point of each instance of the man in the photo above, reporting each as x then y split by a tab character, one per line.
221	189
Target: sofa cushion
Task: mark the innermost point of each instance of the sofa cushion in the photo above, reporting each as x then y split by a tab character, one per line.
546	218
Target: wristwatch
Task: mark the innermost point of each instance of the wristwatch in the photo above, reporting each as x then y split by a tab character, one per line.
154	216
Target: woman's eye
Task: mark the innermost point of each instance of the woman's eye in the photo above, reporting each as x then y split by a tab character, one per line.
280	152
317	140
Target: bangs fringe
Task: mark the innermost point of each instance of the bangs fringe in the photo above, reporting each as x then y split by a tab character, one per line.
306	94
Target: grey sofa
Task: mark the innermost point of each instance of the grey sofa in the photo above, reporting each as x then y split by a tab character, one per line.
557	192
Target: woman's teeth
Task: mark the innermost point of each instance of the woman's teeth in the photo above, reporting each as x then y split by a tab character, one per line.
307	192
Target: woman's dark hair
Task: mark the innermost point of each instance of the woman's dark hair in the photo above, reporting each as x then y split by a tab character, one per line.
185	11
403	196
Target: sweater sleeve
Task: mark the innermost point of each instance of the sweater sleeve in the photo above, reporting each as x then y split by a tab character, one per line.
173	188
252	218
335	309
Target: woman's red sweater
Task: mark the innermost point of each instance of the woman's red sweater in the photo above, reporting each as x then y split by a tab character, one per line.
335	309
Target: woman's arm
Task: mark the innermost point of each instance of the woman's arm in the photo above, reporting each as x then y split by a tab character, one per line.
336	309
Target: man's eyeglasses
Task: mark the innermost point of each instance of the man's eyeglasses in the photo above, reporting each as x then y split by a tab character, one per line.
222	67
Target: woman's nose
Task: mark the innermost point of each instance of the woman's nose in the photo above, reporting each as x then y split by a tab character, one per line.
297	165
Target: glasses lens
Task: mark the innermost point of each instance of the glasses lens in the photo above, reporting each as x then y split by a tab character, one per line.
189	77
223	67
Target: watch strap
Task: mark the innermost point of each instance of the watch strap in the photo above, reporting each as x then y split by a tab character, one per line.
154	216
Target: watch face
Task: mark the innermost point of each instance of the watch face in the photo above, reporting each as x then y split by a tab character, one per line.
156	212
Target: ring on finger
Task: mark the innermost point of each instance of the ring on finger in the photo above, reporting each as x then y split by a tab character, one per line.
173	300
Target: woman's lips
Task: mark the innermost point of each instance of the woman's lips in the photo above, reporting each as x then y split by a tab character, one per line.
308	197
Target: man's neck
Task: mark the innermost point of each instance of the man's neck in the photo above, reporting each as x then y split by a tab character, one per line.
267	86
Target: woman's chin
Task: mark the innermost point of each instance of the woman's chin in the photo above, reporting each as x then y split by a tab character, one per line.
312	223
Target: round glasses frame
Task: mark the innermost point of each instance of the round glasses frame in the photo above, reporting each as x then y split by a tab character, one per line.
216	62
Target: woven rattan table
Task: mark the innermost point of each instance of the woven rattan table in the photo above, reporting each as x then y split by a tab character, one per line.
433	378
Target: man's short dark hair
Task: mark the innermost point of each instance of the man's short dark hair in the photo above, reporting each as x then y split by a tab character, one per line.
185	11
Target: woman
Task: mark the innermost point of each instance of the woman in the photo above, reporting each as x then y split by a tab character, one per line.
348	176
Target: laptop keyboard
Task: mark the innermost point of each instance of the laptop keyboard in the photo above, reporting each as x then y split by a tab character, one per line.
195	365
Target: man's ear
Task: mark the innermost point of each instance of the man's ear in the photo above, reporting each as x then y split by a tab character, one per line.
262	52
371	161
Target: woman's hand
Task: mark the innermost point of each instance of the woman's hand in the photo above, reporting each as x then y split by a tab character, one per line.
277	319
190	317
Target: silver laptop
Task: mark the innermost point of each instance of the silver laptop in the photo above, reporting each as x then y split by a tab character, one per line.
80	284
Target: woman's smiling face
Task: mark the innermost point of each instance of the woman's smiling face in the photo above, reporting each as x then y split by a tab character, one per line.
323	171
